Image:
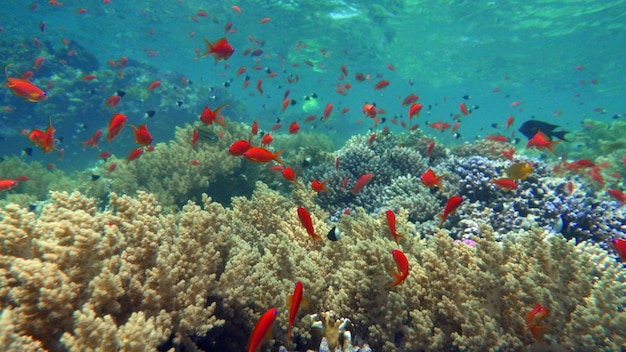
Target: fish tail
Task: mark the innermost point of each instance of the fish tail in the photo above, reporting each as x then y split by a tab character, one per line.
210	48
276	155
397	279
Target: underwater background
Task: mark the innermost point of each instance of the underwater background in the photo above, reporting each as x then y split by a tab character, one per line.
440	176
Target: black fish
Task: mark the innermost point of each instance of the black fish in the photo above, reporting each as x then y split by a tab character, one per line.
120	93
179	103
149	113
531	127
467	97
27	151
334	234
95	177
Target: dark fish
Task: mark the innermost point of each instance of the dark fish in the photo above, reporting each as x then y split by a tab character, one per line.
457	135
149	113
531	127
179	103
313	95
95	177
494	125
120	93
467	97
226	84
293	102
27	151
334	234
207	134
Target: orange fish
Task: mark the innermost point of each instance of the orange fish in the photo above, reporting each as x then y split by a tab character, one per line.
509	122
414	110
402	264
533	318
391	220
209	116
293	302
221	49
24	88
154	85
410	99
6	185
290	175
239	147
306	221
361	183
617	195
93	141
505	184
497	138
381	85
114	99
261	329
117	123
369	110
463	109
142	135
451	206
285	104
294	128
262	155
42	139
620	247
430	180
318	186
327	111
541	141
134	154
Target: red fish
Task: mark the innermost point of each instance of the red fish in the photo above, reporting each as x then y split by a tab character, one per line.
6	185
259	86
267	139
262	155
391	220
261	329
541	142
194	138
509	122
429	149
293	302
239	147
381	85
25	89
286	102
221	49
112	167
142	135
361	183
255	128
369	110
117	123
327	111
509	153
620	247
463	109
88	77
410	99
134	154
497	138
154	85
414	110
318	186
306	221
430	180
402	264
506	184
533	318
451	206
290	175
47	140
294	128
104	155
617	195
209	116
93	141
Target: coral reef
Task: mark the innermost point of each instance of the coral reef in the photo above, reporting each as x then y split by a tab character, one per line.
130	276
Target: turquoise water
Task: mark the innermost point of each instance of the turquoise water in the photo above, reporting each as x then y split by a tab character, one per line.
447	49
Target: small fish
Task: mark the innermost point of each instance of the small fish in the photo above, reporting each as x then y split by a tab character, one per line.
505	184
327	111
533	318
239	147
305	220
149	113
134	154
294	128
391	221
620	247
208	116
429	149
430	180
114	99
318	186
24	88
463	109
154	85
28	151
262	155
117	123
290	175
414	110
369	110
293	302
509	122
261	329
541	141
221	49
93	141
381	84
6	185
334	234
267	139
453	203
95	177
402	264
410	99
617	195
142	135
361	183
112	167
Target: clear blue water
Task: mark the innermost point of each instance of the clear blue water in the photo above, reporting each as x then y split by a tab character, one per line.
448	49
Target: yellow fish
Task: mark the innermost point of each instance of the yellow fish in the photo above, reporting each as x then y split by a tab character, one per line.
519	171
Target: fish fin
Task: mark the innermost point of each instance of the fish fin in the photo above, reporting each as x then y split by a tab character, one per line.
209	50
305	303
560	135
219	119
551	145
397	279
276	155
288	301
